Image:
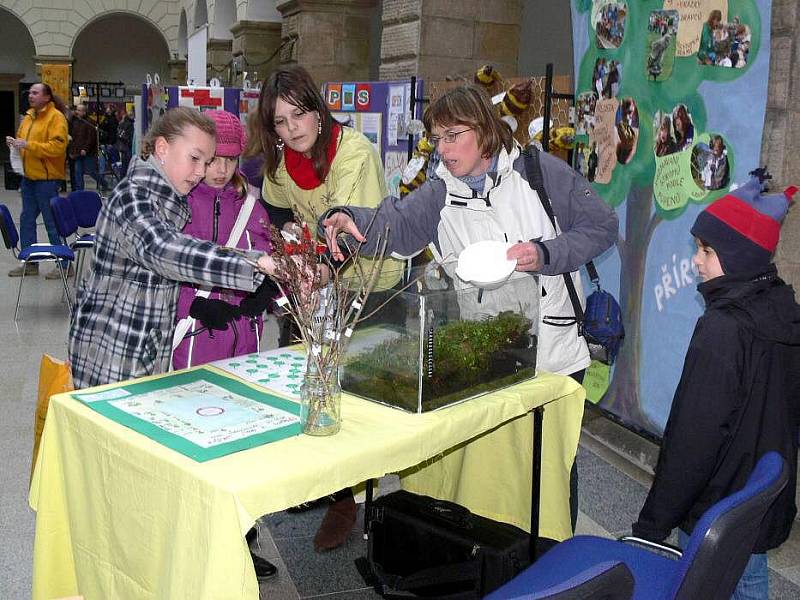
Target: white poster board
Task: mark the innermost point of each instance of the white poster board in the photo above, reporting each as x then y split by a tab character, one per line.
196	57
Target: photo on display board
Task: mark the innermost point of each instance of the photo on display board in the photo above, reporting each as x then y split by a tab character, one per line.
584	108
581	155
609	24
627	130
662	35
724	44
682	127
662	134
710	164
606	77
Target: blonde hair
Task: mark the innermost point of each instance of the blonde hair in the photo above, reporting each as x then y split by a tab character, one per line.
173	124
239	183
471	106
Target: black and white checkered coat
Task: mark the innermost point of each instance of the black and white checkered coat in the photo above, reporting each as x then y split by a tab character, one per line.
124	317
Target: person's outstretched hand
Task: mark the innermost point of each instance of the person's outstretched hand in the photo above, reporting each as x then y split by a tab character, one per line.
266	264
334	225
527	256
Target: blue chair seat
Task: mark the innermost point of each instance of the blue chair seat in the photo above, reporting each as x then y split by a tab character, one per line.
39	252
33	254
709	567
83	242
568	559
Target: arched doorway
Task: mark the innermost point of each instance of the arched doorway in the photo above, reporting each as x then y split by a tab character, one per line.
224	18
17	68
122	47
183	34
200	14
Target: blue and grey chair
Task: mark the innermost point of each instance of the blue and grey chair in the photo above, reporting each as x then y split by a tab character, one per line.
709	567
86	206
67	227
34	253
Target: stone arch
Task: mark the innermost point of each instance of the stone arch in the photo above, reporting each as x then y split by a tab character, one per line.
119	45
17	68
200	13
17	46
224	19
152	12
183	35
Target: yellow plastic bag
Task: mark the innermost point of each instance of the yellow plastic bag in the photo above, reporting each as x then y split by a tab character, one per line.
54	378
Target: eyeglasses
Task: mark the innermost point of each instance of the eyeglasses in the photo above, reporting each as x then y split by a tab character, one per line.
448	137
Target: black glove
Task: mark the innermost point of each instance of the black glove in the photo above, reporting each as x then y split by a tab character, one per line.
256	303
213	314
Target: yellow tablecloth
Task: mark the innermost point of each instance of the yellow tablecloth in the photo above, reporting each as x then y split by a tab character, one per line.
120	516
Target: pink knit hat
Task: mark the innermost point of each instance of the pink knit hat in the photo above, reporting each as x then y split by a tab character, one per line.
231	138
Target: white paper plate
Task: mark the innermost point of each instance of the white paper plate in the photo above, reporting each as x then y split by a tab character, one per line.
484	264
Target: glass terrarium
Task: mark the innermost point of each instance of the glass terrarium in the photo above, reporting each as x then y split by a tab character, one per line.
442	341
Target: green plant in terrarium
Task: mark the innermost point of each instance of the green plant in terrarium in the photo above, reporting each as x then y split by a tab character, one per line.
460	360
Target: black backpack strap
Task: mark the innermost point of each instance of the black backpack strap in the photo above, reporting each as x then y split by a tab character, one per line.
536	180
593	276
404	586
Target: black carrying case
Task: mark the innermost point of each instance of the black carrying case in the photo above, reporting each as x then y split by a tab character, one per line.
11	179
421	547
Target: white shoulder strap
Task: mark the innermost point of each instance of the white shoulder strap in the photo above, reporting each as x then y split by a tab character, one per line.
185	324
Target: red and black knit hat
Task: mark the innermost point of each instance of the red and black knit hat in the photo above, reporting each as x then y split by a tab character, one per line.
743	228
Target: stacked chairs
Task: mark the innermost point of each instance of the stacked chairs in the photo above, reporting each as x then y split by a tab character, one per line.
67	227
86	206
35	253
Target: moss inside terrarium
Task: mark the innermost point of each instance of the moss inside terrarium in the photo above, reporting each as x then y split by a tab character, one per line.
460	359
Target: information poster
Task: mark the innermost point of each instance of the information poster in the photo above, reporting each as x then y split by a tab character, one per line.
248	103
671	98
367	123
381	110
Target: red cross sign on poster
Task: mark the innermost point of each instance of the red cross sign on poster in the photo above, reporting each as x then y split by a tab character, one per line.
201	98
363	95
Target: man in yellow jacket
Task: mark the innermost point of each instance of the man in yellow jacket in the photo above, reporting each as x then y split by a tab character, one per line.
42	141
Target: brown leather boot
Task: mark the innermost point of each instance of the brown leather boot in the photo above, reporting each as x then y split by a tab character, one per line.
336	525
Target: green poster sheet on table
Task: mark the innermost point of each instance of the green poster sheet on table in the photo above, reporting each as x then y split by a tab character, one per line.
200	413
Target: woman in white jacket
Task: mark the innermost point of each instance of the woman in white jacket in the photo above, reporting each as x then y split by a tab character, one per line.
482	193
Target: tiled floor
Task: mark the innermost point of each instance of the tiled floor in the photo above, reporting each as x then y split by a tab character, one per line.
611	489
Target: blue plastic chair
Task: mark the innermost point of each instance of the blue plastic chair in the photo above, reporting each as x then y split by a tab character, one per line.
86	206
34	253
709	567
67	227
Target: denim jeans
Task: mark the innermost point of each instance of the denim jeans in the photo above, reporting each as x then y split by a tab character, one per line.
86	164
36	196
754	583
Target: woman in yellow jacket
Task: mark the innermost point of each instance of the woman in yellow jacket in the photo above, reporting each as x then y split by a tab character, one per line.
42	141
312	163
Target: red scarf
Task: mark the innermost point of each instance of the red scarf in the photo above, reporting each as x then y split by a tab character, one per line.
301	169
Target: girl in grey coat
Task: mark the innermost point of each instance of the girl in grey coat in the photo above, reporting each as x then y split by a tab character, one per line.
123	321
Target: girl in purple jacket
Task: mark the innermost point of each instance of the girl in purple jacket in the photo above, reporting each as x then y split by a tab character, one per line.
212	326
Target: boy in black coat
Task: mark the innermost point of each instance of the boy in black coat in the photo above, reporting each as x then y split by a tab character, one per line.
739	392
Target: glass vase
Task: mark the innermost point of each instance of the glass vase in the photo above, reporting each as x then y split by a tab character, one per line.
320	401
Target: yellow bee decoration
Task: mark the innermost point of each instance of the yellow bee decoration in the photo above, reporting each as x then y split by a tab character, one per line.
415	172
